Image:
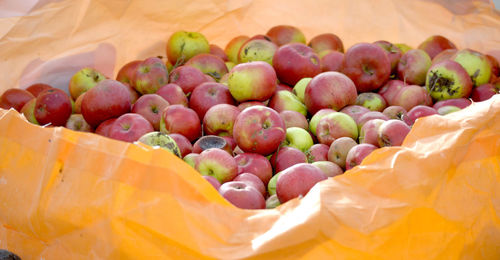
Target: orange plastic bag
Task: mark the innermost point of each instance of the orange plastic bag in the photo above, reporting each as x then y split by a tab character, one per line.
70	195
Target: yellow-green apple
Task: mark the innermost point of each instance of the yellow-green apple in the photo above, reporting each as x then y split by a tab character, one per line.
413	66
158	139
252	180
246	104
331	61
357	153
390	89
271	186
230	65
257	50
77	122
173	94
242	195
191	158
458	102
287	156
83	80
300	88
329	90
403	47
294	119
284	34
256	164
108	99
298	138
444	55
392	133
218	51
476	64
297	180
326	41
259	129
447	109
339	149
330	169
233	46
219	120
369	116
28	111
336	125
420	111
187	78
15	98
397	112
272	202
317	152
150	107
207	95
182	120
185	147
129	127
37	88
53	106
150	75
182	46
295	61
313	123
212	141
410	96
126	73
355	111
213	181
209	64
367	65
369	132
286	100
254	81
436	44
393	52
485	92
447	80
218	163
372	101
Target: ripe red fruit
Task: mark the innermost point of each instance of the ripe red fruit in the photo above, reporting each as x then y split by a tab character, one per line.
15	98
53	106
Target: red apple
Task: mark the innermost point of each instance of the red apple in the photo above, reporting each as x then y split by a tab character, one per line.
390	89
338	150
133	94
495	67
326	41
317	152
218	163
329	90
331	61
287	156
413	66
219	120
150	75
252	180
15	98
103	128
295	61
207	95
173	94
77	106
242	195
76	122
330	169
150	107
256	164
187	78
181	120
357	153
392	133
37	88
212	180
53	106
420	111
209	64
297	180
313	123
436	44
444	55
252	81
246	104
336	125
233	46
285	34
294	119
484	92
369	116
458	102
282	86
411	96
369	132
355	111
183	143
218	51
127	73
393	52
129	127
397	112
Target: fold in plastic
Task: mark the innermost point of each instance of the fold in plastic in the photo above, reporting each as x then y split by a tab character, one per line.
71	195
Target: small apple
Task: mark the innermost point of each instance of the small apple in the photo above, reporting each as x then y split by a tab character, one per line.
161	140
420	111
209	64
150	106
185	147
298	138
338	150
191	159
287	156
218	163
285	34
182	46
326	41
411	96
252	180
390	89
393	52
331	60
173	94
413	66
300	88
355	111
218	51
330	169
129	127
15	98
392	132
53	106
285	100
257	50
313	123
255	164
37	88
233	46
329	90
181	120
476	64
242	195
187	78
336	125
369	132
126	73
207	95
150	75
372	101
485	92
297	180
436	44
369	116
294	119
357	154
28	111
252	81
397	112
76	122
219	120
403	47
295	61
447	80
83	80
103	128
317	153
444	55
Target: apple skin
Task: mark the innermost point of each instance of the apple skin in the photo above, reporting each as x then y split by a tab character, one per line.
157	139
183	45
295	61
272	202
187	78
413	66
330	169
390	89
126	73
242	195
355	111
393	52
369	132
286	157
447	110
37	88
218	51
209	64
76	122
254	81
420	111
392	132
357	153
294	119
458	102
329	90
207	95
313	123
281	86
326	41
495	67
150	106
484	92
253	181
219	120
444	55
285	34
369	116
285	100
191	159
15	98
218	163
108	99
255	49
173	94
297	180
397	112
372	101
183	143
246	104
83	80
233	46
336	125
331	60
259	129
103	128
436	44
150	75
256	164
403	47
367	65
181	120
53	106
212	141
411	96
317	153
271	186
298	138
300	88
337	153
129	127
447	80
212	180
476	64
28	111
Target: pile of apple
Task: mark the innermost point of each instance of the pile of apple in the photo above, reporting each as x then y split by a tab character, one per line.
268	117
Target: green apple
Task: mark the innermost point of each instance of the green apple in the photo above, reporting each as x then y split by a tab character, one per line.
272	202
476	64
83	80
191	158
300	88
271	186
298	138
448	80
182	46
286	100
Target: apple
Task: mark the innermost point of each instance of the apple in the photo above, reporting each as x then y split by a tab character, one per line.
420	111
444	55
246	104
329	90
294	119
357	153
326	41
447	80
257	50
372	101
76	122
207	95
126	73
252	180
317	152
150	107
369	116
476	64
272	202
331	60
330	169
447	110
219	120
287	156
403	47
103	128
213	181
150	75
436	44
297	180
339	149
390	89
209	64
281	86
218	163
259	129
495	67
369	132
37	88
413	66
393	52
158	139
392	132
53	106
28	111
233	46
230	142
271	186
313	123
129	127
83	80
185	146
211	141
285	100
336	125
285	34
108	99
255	164
173	94
182	46
397	112
242	195
485	92
295	61
355	111
191	159
187	78
15	98
254	81
300	88
218	51
133	94
458	102
182	120
411	96
298	138
367	65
